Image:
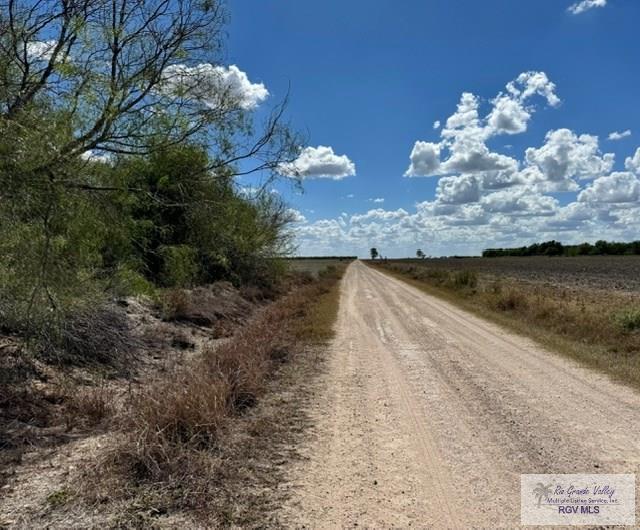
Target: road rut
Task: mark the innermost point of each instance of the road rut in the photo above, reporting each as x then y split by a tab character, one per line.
428	416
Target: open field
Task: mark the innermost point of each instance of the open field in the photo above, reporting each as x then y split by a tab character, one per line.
315	265
619	273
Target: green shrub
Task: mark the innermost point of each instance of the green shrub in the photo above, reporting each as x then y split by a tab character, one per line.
180	265
127	281
629	320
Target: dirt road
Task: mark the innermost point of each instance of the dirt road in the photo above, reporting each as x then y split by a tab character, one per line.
429	415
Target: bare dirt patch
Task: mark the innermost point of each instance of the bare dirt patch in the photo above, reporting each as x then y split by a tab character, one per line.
618	273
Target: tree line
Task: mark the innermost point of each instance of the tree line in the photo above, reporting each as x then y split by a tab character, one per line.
555	248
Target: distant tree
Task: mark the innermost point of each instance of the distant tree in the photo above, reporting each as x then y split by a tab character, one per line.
420	254
374	252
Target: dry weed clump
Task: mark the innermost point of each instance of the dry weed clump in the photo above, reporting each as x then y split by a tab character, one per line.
88	406
87	336
171	425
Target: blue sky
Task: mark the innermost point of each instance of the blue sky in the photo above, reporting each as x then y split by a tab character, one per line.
369	79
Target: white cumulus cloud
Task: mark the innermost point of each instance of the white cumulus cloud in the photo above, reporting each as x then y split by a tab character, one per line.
296	216
40	50
379	214
425	159
615	135
528	84
510	113
632	163
462	147
521	200
214	86
585	5
566	155
508	116
319	162
458	190
619	187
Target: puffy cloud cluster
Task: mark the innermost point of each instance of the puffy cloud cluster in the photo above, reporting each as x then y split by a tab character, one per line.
425	159
485	198
458	190
618	187
471	173
296	216
464	136
509	217
319	162
510	113
379	214
214	86
632	163
566	156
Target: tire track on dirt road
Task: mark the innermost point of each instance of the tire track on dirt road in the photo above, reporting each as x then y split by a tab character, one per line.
428	415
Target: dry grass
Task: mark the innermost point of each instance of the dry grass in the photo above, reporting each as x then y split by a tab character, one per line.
185	445
594	327
218	306
88	406
317	324
92	336
173	430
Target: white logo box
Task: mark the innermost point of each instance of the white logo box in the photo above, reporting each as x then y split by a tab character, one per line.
579	499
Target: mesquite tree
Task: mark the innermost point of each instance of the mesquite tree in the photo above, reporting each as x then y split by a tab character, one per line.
84	81
127	76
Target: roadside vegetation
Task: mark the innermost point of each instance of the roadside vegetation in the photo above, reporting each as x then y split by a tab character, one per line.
600	328
118	170
145	300
172	445
170	422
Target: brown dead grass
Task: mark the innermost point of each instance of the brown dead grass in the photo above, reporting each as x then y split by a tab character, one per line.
175	430
592	326
180	444
218	306
88	406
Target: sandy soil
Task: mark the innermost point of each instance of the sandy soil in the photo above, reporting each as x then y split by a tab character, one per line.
429	416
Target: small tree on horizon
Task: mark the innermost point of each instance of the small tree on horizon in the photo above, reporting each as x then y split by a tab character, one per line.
374	252
420	254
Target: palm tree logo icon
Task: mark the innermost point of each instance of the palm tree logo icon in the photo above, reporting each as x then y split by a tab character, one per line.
541	491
